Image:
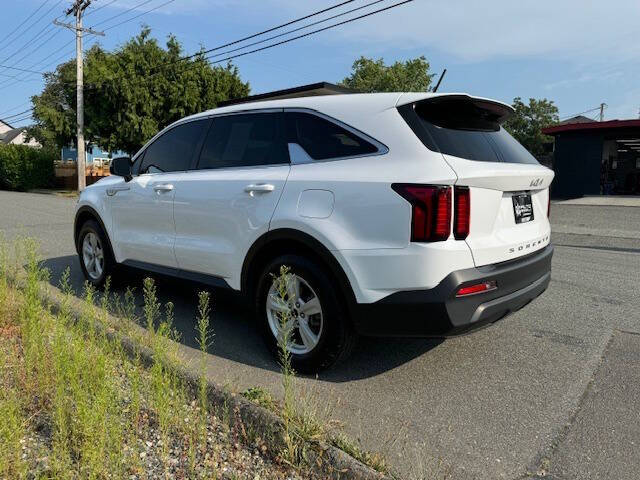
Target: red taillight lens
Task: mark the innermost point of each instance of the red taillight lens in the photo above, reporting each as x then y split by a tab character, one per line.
477	288
462	215
430	211
443	214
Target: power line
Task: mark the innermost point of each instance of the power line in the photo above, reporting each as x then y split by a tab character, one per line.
52	63
33	65
4	85
54	33
14	108
282	42
23	22
27	29
581	113
139	15
43	31
21	69
368	14
18	114
241	39
291	22
91	12
298	29
311	33
250	36
142	4
18	120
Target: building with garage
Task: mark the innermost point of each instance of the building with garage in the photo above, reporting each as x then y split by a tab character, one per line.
596	158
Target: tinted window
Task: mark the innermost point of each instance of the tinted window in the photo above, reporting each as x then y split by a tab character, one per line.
464	130
173	151
244	140
323	139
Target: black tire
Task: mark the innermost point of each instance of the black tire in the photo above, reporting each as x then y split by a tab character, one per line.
336	337
109	264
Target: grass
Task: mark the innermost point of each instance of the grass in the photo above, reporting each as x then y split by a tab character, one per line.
91	408
75	405
374	460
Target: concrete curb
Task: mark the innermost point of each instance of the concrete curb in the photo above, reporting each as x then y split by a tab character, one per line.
602	201
600	232
323	459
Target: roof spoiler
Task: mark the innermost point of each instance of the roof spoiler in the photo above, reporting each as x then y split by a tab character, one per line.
460	111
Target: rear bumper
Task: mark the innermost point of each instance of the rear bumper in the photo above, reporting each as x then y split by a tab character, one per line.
438	312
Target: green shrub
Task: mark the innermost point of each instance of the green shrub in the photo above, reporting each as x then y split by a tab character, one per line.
23	168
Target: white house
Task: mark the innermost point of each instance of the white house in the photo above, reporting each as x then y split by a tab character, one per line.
15	136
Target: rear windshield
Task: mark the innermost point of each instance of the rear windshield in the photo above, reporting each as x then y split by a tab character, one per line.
465	128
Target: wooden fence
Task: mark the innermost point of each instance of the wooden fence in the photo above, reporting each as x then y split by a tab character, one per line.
66	176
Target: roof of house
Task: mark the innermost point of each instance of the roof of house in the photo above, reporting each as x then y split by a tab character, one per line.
576	119
579	126
9	136
313	89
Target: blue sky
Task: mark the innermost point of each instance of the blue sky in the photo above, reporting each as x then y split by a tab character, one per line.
577	53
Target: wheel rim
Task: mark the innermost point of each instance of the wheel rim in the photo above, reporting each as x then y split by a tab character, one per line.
93	255
299	312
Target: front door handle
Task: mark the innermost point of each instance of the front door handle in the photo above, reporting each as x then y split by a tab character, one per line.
163	187
259	188
113	190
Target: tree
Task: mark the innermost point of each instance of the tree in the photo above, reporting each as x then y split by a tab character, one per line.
132	93
370	75
528	121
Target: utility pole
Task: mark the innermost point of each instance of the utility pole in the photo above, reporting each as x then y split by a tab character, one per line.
78	9
602	107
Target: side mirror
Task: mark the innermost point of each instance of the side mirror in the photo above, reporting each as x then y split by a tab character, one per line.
121	167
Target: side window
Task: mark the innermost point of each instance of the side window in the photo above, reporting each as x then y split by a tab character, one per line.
244	140
173	151
323	139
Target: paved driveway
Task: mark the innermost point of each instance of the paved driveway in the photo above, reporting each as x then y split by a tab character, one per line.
554	388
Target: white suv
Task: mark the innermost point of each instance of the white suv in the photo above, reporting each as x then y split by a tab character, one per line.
410	214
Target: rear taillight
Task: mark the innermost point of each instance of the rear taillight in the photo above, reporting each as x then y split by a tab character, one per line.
462	213
430	211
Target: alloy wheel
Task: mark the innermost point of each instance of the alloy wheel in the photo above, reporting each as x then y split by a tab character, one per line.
93	255
298	312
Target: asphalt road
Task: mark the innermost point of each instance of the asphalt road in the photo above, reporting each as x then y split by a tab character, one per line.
551	390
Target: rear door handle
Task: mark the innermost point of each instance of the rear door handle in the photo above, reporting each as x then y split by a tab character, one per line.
259	188
163	187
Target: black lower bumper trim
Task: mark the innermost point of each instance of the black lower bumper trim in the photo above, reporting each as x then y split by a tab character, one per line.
438	312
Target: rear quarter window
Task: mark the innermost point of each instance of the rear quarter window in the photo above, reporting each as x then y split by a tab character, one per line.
322	139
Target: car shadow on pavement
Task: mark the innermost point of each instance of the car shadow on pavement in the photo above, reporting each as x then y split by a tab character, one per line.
236	336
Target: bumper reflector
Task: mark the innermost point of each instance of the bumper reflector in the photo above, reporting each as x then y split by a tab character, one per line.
477	288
